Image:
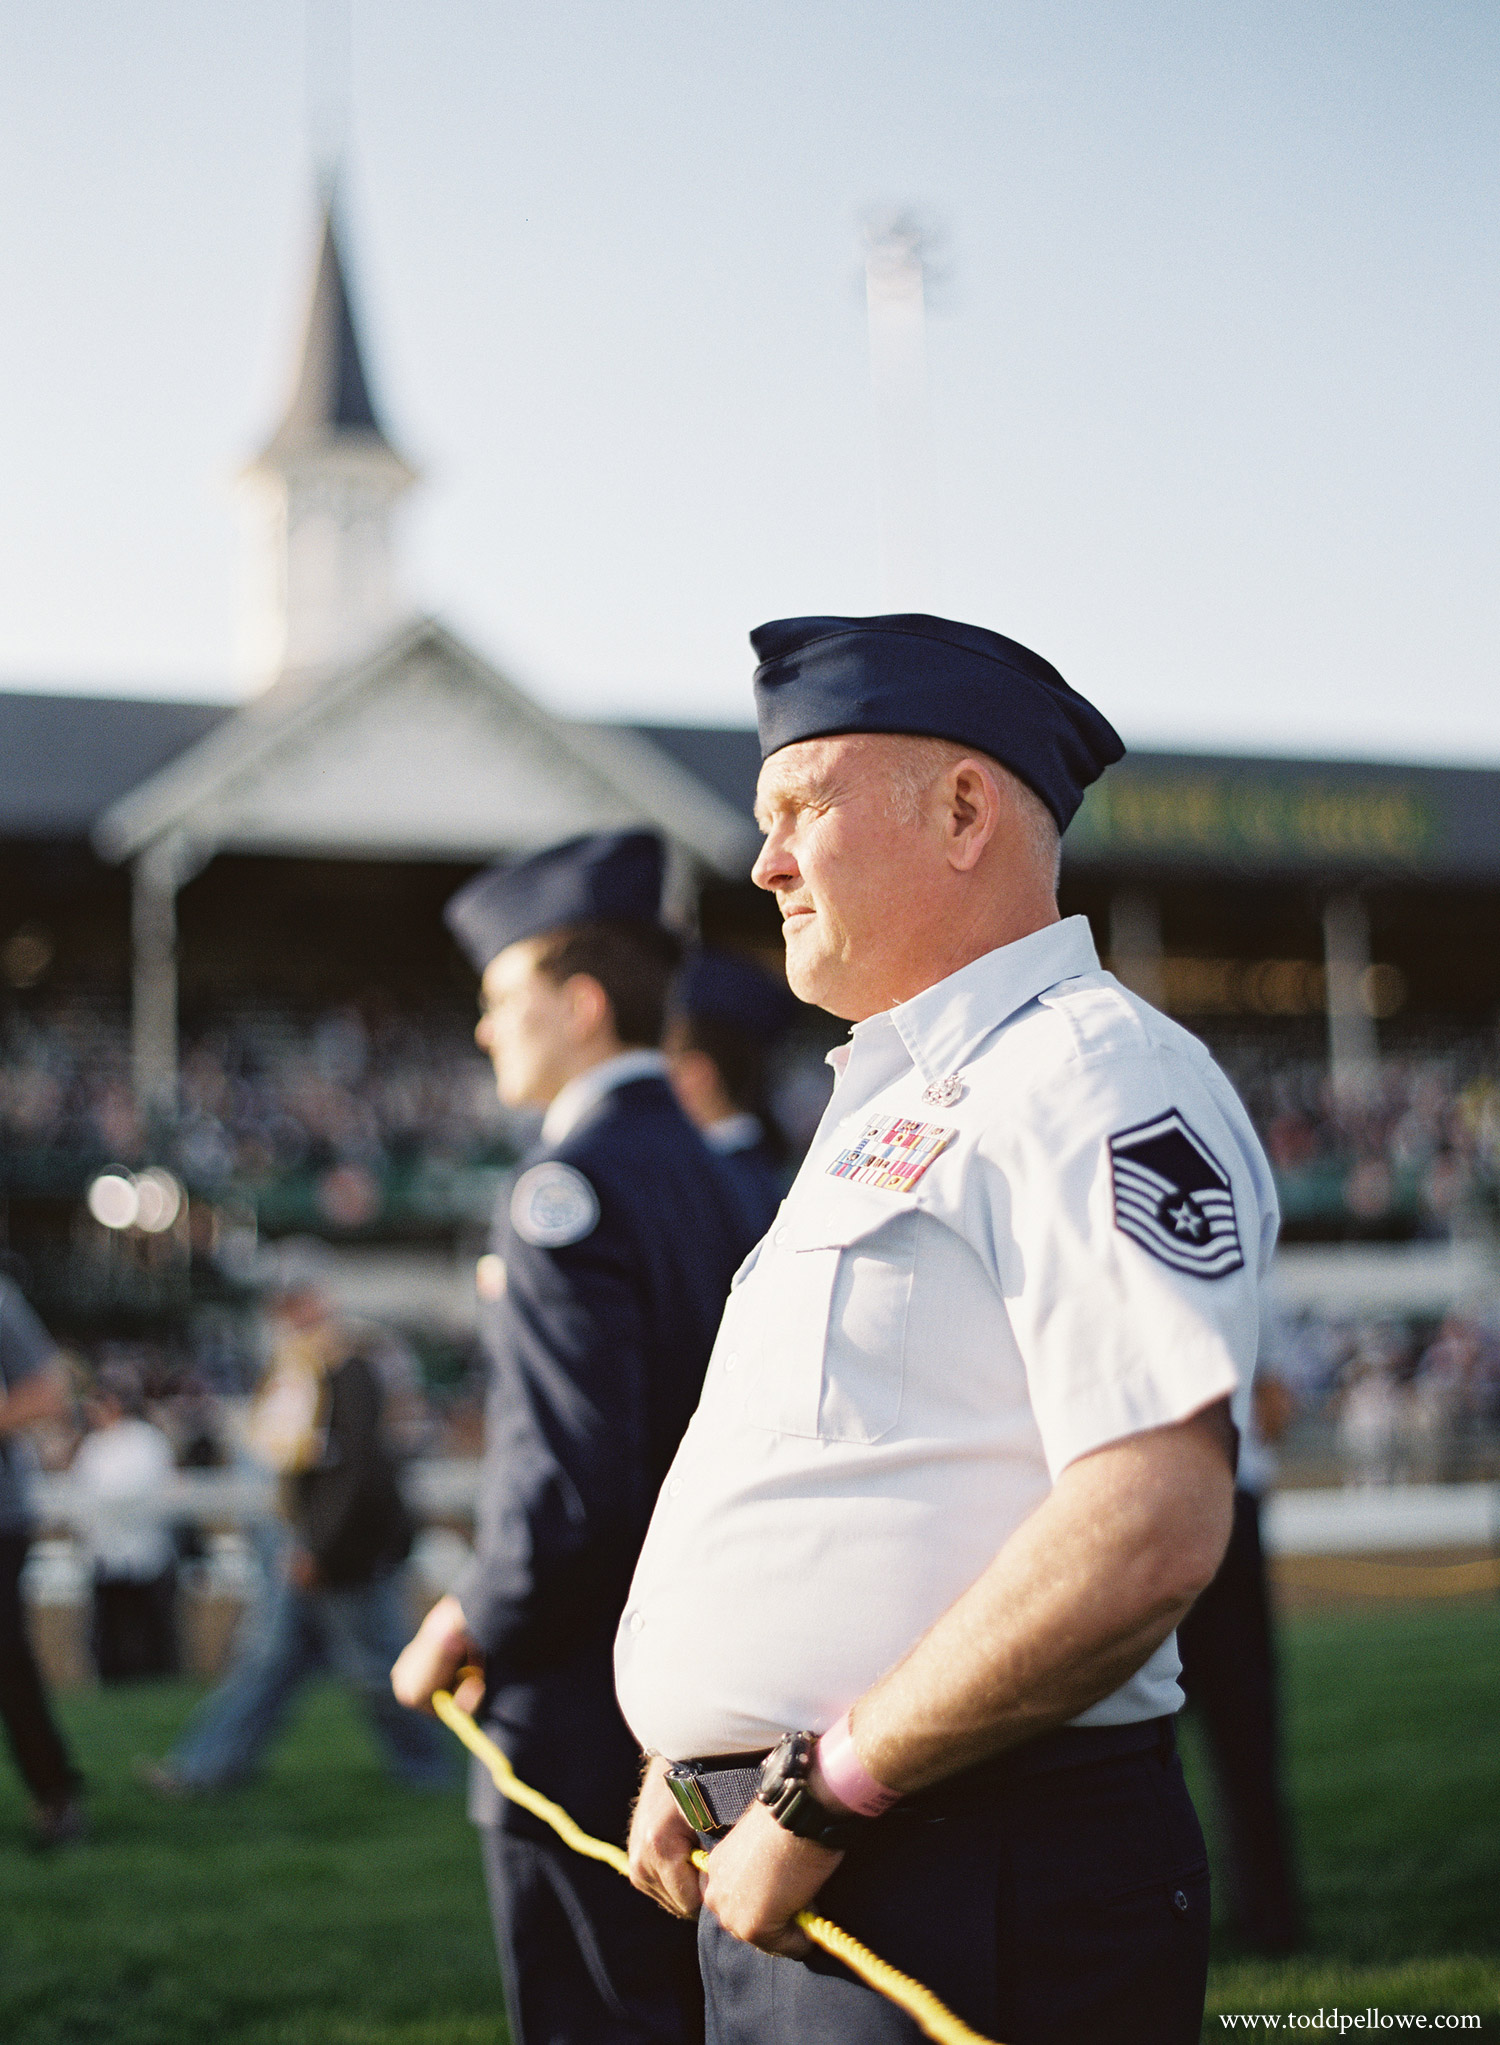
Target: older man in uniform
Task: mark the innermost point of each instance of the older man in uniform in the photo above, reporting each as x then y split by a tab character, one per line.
607	1273
901	1634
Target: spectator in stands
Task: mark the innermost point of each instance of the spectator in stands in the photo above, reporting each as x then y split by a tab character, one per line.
33	1390
320	1422
727	1015
1371	1417
120	1472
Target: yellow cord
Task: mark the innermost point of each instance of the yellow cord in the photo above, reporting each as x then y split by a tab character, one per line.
510	1785
931	2016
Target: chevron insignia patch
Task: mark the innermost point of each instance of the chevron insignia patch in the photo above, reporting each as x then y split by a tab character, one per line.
1173	1197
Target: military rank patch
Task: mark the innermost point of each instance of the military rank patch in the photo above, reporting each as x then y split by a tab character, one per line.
552	1206
1173	1197
891	1155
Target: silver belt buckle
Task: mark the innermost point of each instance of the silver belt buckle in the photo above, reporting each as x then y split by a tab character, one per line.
684	1785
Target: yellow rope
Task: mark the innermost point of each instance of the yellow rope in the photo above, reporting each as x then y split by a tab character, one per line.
931	2016
1391	1579
510	1785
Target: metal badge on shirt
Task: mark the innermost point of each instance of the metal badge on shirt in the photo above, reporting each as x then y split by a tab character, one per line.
1173	1197
891	1155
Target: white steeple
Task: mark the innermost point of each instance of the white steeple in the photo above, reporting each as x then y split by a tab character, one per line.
321	582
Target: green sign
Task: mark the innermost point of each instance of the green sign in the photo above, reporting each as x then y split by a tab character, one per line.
1247	818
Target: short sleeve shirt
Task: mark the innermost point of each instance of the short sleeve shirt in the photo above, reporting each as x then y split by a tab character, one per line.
1032	1222
25	1348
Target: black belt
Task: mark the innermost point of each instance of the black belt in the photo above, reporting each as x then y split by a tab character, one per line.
716	1791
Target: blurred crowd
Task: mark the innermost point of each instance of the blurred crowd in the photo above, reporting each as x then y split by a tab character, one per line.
1394	1401
348	1099
1424	1138
260	1096
351	1099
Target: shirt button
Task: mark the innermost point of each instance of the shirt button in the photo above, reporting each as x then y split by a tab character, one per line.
1180	1901
636	1622
779	1238
731	1359
674	1487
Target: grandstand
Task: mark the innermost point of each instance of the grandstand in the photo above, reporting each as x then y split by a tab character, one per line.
221	949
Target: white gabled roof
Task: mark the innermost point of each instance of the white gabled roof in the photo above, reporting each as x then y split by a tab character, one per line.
419	750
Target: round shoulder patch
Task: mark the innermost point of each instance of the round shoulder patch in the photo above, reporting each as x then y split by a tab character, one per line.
552	1206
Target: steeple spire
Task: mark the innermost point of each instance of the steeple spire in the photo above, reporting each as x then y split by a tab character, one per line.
320	495
332	393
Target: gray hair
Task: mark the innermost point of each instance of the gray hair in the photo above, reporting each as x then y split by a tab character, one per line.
916	764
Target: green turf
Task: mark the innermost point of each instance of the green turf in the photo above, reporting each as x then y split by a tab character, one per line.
324	1907
1393	1723
322	1904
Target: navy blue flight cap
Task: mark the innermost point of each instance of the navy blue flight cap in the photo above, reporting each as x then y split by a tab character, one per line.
820	677
723	988
613	877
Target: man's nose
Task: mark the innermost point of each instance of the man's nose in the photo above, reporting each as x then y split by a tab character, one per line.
774	865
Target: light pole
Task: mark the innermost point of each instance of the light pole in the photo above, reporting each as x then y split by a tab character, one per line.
897	250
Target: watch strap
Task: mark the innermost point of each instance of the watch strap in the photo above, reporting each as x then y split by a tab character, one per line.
786	1795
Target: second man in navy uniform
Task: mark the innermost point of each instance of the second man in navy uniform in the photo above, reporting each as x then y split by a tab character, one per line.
609	1264
726	1015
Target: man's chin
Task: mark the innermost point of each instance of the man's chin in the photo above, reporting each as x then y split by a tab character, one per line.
812	976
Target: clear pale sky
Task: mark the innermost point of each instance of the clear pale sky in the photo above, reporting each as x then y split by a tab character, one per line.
1213	363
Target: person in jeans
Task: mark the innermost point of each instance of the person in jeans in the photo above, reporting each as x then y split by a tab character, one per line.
337	1603
32	1390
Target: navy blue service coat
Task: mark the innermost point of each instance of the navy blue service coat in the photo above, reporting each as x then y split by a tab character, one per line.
760	1182
597	1354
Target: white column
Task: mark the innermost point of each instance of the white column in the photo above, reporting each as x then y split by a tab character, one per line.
1353	1051
1135	947
156	875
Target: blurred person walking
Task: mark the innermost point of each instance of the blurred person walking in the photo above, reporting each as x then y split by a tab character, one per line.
33	1391
608	1268
727	1014
337	1604
1227	1644
120	1471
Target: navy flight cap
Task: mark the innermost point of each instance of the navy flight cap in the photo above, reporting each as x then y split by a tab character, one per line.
720	987
820	677
613	877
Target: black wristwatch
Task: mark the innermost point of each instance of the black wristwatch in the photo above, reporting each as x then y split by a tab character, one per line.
785	1794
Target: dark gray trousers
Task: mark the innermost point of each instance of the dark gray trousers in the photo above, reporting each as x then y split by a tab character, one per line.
1064	1906
584	1958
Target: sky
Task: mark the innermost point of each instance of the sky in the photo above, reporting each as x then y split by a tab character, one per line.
1211	339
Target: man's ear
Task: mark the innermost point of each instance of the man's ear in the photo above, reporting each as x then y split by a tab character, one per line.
974	802
589	1007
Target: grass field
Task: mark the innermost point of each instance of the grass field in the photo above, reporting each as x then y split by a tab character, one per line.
324	1907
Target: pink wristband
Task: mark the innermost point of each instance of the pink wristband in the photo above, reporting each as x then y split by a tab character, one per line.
847	1776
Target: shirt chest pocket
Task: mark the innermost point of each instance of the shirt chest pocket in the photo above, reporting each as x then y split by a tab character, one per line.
822	1322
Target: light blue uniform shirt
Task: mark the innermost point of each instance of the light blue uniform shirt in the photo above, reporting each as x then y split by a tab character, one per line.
1033	1221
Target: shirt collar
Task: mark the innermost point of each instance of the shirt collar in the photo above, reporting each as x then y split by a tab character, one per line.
733	1133
945	1024
584	1092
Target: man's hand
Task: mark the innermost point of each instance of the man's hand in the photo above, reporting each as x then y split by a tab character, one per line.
661	1846
37	1399
432	1659
301	1568
760	1876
